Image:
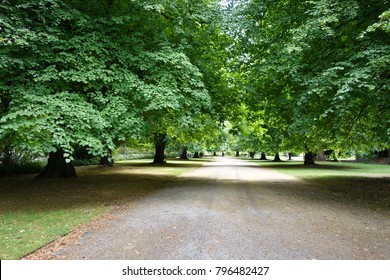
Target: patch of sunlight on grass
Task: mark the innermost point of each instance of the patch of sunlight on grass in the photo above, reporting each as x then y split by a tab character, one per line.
173	167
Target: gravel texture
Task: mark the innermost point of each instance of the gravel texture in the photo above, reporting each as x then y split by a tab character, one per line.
232	209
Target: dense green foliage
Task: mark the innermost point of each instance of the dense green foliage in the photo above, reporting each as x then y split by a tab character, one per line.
287	74
317	70
94	76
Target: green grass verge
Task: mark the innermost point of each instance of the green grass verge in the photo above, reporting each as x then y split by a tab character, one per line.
323	170
364	187
36	212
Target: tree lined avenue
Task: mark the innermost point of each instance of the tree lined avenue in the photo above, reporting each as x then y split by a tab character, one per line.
252	76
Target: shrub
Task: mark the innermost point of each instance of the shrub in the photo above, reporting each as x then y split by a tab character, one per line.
125	153
25	167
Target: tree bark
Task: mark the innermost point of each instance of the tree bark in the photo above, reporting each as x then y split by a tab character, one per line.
196	155
57	167
237	153
309	160
6	158
321	155
107	161
184	154
277	158
388	156
252	154
263	156
289	156
160	140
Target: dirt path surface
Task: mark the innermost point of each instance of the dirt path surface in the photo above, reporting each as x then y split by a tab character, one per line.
232	209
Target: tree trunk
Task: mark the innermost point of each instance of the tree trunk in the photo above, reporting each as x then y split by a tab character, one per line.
6	156
57	167
184	154
321	155
309	160
289	156
252	154
160	141
388	156
237	153
263	156
107	161
196	155
215	154
277	158
335	156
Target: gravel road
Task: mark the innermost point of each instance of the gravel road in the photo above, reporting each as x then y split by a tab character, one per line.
233	209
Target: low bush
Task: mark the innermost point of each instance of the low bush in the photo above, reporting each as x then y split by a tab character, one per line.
27	167
125	153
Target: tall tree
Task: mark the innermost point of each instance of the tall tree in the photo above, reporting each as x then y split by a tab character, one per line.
314	69
45	113
92	76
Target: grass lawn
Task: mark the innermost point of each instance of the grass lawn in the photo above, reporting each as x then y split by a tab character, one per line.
327	170
347	183
36	212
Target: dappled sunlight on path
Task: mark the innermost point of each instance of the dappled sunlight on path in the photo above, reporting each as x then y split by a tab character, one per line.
237	170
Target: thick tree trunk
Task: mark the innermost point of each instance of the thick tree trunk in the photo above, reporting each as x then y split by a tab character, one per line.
252	154
196	155
309	160
277	158
6	156
57	167
388	156
289	156
263	156
237	153
321	155
159	143
107	160
215	154
184	154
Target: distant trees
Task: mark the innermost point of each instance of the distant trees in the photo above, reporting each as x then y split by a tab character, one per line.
318	70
